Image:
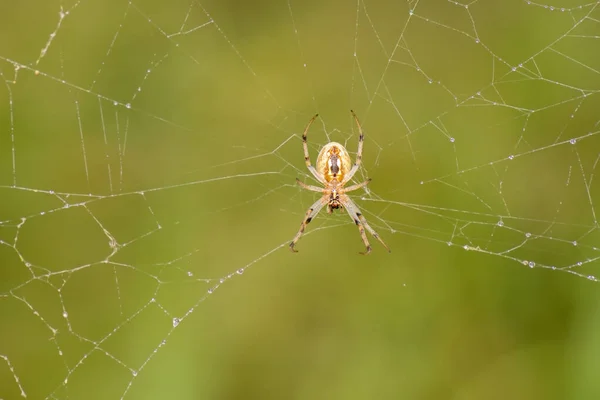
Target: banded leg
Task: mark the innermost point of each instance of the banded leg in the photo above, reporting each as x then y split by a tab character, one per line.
306	155
310	214
352	212
357	186
361	138
361	221
372	231
309	187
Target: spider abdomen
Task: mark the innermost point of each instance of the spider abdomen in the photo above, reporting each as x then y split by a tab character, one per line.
333	162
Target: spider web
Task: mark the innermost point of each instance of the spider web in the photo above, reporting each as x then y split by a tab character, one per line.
148	156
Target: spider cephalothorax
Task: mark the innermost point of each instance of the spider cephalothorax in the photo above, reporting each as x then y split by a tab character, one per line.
334	170
334	201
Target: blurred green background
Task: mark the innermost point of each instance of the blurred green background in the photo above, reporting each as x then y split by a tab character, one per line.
148	156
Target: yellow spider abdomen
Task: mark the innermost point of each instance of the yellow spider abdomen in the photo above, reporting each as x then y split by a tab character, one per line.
333	162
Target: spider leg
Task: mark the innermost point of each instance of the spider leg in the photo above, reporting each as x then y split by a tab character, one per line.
372	231
310	214
362	223
309	187
361	138
363	235
306	155
357	186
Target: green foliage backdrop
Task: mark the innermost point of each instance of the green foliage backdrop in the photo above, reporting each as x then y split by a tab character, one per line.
148	157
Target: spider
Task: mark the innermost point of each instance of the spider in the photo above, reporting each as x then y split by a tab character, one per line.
334	170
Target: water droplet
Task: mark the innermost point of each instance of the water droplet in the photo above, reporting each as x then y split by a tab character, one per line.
115	103
221	280
528	235
477	40
511	157
451	140
65	314
411	12
190	273
175	322
430	81
240	271
575	243
134	373
531	264
500	223
514	69
579	264
573	141
466	247
449	243
128	105
591	277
